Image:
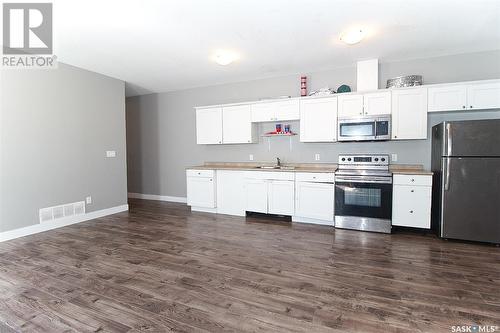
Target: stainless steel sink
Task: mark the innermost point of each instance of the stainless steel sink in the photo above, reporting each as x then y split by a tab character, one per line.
275	167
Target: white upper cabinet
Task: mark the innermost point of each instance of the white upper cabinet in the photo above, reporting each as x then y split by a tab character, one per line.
237	124
376	104
318	120
350	106
209	125
358	105
467	96
447	98
409	114
276	111
482	96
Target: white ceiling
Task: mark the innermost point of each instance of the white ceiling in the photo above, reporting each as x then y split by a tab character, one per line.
158	46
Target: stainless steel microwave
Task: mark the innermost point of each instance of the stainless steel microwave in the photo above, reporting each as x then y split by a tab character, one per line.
364	129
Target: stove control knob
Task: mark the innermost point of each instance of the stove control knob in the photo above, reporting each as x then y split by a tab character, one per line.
343	159
376	159
383	159
349	159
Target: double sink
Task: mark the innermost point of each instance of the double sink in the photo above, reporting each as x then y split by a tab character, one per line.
275	167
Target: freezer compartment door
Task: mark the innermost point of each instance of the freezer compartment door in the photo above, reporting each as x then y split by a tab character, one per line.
472	138
471	199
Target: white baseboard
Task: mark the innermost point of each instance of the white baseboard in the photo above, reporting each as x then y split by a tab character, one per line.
157	197
65	221
312	221
203	209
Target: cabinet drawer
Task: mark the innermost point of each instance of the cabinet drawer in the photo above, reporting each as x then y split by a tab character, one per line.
418	180
315	177
411	206
200	173
271	175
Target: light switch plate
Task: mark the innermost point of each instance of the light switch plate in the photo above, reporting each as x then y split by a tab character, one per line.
394	157
250	157
316	157
111	153
88	200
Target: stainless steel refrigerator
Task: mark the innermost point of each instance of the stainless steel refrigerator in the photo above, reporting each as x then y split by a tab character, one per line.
466	186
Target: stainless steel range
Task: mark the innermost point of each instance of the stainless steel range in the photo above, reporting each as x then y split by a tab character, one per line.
363	193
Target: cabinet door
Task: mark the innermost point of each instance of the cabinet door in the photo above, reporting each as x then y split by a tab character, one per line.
230	197
481	96
237	124
350	106
281	197
447	98
209	126
411	206
262	112
314	200
256	195
377	103
409	114
201	192
318	120
287	110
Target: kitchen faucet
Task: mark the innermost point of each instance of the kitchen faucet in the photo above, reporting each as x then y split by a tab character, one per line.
278	162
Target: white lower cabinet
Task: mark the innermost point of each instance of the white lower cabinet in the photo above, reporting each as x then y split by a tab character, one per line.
411	201
230	197
201	188
270	192
281	197
314	198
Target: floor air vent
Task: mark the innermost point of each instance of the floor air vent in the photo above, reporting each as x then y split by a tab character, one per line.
58	212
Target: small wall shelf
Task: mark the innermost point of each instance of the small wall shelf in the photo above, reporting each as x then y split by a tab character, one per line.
271	135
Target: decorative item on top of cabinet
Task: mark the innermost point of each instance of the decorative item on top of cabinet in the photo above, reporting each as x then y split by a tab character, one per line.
409	113
318	119
411	200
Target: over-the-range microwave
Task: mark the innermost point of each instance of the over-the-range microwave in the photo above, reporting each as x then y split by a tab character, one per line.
367	128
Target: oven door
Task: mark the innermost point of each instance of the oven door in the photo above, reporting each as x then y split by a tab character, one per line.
357	130
363	198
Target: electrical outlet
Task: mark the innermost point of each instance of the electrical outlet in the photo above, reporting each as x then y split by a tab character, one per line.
394	157
316	157
111	153
88	200
250	157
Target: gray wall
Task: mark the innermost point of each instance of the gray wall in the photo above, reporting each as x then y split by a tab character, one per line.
55	128
161	135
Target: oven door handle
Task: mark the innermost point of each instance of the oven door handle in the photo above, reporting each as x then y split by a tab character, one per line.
371	180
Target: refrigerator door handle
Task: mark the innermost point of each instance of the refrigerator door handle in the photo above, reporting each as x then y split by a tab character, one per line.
449	139
447	175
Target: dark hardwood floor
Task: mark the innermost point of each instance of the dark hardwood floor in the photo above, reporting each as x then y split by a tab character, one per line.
161	267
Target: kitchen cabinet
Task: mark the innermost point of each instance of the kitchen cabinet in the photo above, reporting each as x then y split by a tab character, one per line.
314	198
230	197
359	105
237	125
318	119
409	114
447	98
200	188
281	197
276	111
270	192
209	125
411	201
483	95
468	96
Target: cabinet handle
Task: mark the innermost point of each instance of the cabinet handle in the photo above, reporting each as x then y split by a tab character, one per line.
412	179
412	191
471	106
220	141
463	106
210	179
411	211
395	136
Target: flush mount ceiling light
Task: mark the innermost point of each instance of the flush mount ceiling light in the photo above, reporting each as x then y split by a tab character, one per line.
225	57
352	36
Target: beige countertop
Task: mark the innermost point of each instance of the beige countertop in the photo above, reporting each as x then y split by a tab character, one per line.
404	169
